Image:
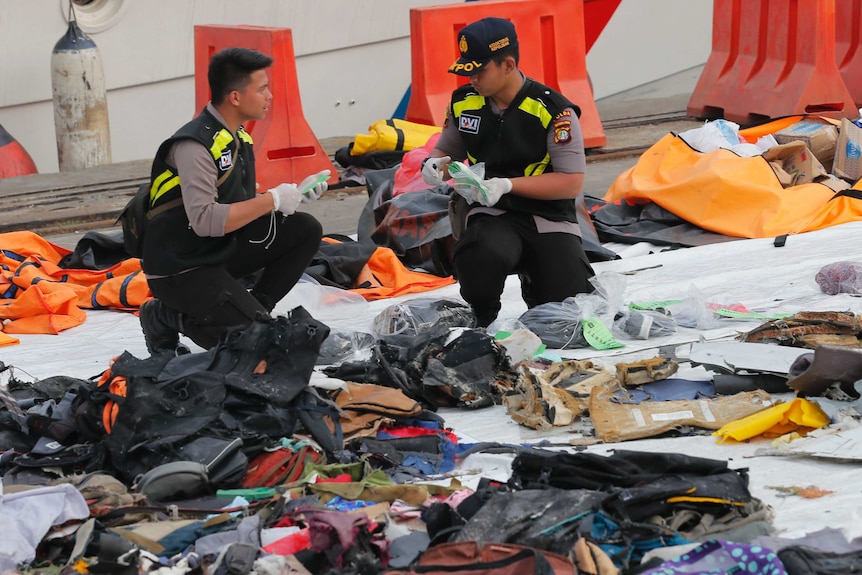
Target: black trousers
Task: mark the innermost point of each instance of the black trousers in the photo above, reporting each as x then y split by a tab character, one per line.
551	266
212	299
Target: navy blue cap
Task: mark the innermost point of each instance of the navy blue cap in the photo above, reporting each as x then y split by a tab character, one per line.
479	41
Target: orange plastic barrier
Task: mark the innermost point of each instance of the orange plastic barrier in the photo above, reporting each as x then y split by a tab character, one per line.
286	150
14	159
552	46
848	46
769	59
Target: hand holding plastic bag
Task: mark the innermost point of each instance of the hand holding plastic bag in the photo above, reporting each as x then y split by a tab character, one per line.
468	181
495	188
313	186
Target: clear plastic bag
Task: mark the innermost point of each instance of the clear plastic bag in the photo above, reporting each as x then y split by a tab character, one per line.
643	324
610	287
558	324
505	324
694	311
420	315
840	277
468	181
341	346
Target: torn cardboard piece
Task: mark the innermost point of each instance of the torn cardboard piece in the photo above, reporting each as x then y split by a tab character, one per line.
819	136
794	164
614	421
848	152
558	396
646	371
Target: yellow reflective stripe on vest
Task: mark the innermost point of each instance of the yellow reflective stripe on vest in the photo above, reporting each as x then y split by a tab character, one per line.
220	142
472	102
245	136
535	108
530	106
165	182
537	168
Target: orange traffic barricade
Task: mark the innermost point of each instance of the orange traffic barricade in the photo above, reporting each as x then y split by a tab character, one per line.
552	47
771	58
286	149
848	46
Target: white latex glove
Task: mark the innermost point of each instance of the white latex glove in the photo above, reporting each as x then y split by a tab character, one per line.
286	198
495	188
432	170
314	185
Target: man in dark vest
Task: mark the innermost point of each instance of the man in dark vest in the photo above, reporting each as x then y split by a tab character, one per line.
220	237
529	139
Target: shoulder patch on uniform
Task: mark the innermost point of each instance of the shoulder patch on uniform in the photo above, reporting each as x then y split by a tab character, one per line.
562	131
446	118
567	113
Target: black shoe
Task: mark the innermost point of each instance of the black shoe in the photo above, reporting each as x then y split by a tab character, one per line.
484	314
159	324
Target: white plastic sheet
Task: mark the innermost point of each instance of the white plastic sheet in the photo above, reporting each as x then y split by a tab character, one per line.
753	273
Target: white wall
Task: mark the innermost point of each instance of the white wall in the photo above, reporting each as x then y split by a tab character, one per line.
347	51
647	40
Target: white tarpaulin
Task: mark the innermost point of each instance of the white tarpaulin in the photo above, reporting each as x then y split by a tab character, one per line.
753	273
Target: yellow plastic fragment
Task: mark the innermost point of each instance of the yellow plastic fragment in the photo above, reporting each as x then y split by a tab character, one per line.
797	415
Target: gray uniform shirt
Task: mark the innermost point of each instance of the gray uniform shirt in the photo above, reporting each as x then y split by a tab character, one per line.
198	177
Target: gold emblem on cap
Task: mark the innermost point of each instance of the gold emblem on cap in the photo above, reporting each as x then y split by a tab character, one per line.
502	43
462	44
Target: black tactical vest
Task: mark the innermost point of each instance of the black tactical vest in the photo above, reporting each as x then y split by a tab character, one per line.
515	143
170	245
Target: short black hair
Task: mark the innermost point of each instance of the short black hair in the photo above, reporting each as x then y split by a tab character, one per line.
230	69
510	50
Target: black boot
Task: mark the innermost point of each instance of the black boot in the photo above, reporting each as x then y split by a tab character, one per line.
264	300
485	315
161	326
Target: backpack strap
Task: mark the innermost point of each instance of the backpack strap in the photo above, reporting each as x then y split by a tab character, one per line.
164	207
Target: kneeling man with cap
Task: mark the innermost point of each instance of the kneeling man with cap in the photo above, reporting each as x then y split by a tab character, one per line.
529	138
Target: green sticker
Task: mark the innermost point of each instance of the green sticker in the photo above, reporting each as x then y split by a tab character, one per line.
250	494
654	304
598	335
724	312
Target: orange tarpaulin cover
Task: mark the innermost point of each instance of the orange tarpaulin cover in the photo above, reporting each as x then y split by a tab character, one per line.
38	296
728	194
